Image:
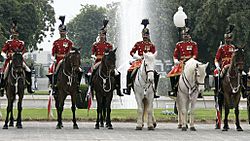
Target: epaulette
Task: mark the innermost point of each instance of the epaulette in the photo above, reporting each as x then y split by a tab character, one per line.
179	42
193	42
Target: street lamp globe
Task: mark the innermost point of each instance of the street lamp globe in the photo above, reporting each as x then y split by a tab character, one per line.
179	18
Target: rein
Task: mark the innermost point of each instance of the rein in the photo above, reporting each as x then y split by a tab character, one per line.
16	78
70	76
147	84
191	88
104	80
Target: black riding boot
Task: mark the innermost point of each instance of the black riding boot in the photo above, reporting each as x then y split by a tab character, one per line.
79	81
2	85
174	80
29	82
54	84
244	88
129	84
156	79
118	84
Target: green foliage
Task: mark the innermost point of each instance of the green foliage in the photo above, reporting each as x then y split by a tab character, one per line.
84	28
34	17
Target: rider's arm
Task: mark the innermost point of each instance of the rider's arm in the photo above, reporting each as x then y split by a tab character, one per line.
134	49
195	50
217	58
176	54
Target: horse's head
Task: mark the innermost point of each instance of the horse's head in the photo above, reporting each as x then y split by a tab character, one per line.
238	58
73	59
200	74
149	64
109	59
17	61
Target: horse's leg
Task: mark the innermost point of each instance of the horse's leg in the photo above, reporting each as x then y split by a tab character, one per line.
184	110
236	112
103	113
179	115
139	111
19	115
192	128
73	109
226	127
108	107
149	108
154	120
99	109
61	99
9	109
11	124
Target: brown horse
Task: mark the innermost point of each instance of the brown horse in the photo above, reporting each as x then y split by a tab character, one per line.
231	86
103	86
67	83
15	84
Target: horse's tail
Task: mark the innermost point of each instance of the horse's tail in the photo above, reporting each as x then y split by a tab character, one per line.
145	112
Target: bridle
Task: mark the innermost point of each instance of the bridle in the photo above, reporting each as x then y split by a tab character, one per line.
147	83
192	87
73	71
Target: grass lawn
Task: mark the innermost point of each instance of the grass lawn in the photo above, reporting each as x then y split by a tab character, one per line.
201	115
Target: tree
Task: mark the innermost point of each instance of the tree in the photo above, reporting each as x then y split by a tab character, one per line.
34	18
84	28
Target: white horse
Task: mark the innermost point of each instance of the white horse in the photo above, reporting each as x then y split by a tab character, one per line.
144	89
191	83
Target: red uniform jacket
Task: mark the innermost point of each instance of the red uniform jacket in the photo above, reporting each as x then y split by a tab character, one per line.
60	48
141	47
185	50
98	49
8	46
224	54
182	52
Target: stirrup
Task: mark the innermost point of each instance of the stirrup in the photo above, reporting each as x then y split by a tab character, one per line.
156	96
172	93
127	91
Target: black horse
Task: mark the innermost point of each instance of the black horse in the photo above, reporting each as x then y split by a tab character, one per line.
15	84
232	85
67	83
103	86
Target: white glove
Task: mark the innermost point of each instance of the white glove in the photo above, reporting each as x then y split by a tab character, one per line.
217	65
4	55
176	61
136	57
93	56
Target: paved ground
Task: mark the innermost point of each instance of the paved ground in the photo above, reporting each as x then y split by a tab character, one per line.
45	131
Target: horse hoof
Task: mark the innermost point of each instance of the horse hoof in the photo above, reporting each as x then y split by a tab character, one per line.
151	128
96	126
192	129
75	126
19	126
101	125
5	127
138	128
11	124
224	129
58	126
217	126
239	129
110	127
179	126
154	124
184	129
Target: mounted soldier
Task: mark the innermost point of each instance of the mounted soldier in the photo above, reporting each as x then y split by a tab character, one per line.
14	44
222	62
98	51
140	47
60	48
183	51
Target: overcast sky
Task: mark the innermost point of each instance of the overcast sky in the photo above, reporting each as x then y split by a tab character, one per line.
69	8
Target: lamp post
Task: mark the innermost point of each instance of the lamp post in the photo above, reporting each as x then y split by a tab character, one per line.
179	20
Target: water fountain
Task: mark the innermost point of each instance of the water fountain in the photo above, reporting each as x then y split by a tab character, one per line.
131	12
